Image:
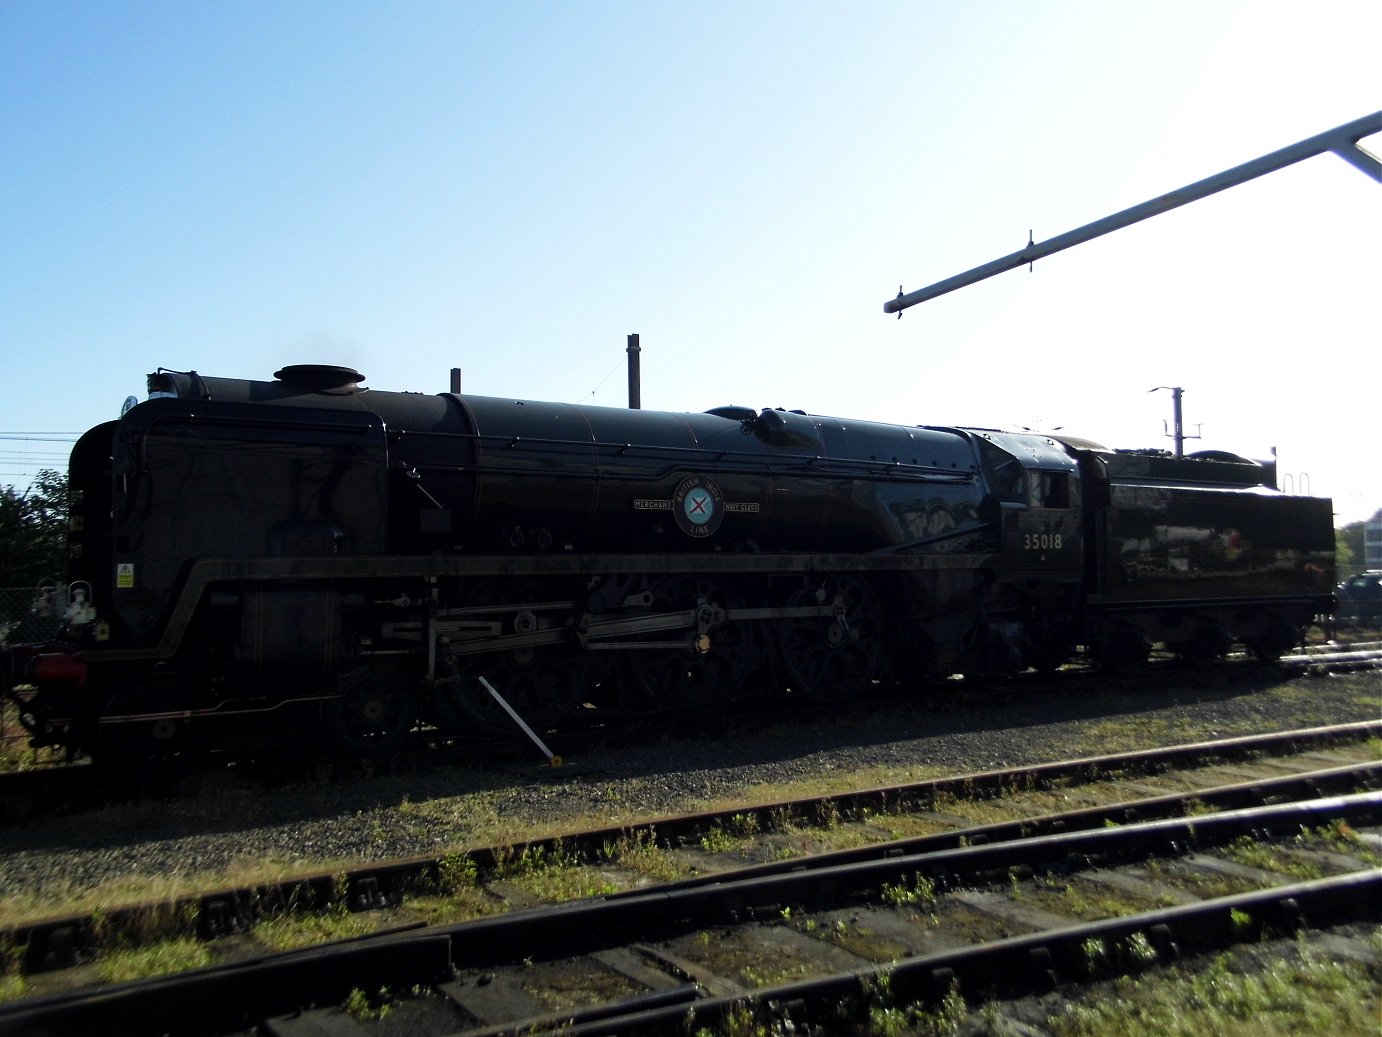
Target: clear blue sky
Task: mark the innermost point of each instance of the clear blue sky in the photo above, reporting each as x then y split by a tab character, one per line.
511	188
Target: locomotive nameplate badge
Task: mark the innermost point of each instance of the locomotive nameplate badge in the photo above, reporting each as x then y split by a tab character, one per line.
698	506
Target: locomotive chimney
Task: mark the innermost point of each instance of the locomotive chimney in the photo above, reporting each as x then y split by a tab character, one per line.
456	380
635	392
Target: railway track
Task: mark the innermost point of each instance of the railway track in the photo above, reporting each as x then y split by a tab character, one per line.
782	899
1335	657
64	788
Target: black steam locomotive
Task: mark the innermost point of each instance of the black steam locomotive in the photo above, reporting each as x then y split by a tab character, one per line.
259	560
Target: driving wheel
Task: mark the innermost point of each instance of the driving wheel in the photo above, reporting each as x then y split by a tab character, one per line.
838	650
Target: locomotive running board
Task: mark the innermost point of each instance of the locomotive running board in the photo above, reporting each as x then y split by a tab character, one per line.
308	570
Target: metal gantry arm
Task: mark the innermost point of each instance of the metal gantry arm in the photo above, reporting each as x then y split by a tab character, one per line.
1342	141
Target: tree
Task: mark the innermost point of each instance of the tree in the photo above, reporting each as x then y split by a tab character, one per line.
33	531
1348	548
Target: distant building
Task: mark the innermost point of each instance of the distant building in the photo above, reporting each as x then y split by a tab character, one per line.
1372	542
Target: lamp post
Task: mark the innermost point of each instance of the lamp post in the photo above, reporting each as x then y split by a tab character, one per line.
1179	435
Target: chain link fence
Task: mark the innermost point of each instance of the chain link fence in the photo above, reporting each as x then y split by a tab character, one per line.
26	614
29	613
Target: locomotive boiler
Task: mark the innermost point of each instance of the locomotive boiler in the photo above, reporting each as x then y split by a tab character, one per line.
264	561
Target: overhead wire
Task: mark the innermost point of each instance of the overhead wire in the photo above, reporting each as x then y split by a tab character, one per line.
22	464
591	395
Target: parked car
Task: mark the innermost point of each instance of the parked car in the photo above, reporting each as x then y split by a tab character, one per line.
1360	597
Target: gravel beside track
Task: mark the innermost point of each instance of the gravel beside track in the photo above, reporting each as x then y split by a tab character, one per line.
221	826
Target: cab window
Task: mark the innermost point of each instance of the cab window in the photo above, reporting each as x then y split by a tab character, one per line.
1048	489
1005	474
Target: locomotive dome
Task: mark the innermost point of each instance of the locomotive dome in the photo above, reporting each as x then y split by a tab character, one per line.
321	377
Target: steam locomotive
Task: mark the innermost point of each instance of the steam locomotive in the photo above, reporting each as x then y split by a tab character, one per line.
254	561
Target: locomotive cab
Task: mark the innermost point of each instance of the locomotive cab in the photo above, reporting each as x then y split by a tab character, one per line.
1029	598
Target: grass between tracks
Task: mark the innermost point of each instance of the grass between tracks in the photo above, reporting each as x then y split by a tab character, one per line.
1290	995
1287	990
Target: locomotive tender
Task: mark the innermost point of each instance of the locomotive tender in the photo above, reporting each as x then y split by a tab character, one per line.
266	560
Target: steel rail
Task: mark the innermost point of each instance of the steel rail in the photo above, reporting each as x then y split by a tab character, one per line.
231	996
1334	660
1332	781
54	943
583	926
1018	966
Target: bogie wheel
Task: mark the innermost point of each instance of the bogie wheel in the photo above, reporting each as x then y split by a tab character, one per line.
838	650
1207	643
374	711
704	668
1278	638
151	725
1047	646
1121	648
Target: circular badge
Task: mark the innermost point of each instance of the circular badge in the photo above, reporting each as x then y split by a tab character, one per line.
698	506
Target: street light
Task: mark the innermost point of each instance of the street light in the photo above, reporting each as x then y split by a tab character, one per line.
1176	391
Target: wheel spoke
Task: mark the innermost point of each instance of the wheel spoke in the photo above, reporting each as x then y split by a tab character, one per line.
839	651
375	710
541	684
684	677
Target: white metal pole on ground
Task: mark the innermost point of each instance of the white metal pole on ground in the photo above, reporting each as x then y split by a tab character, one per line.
552	760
